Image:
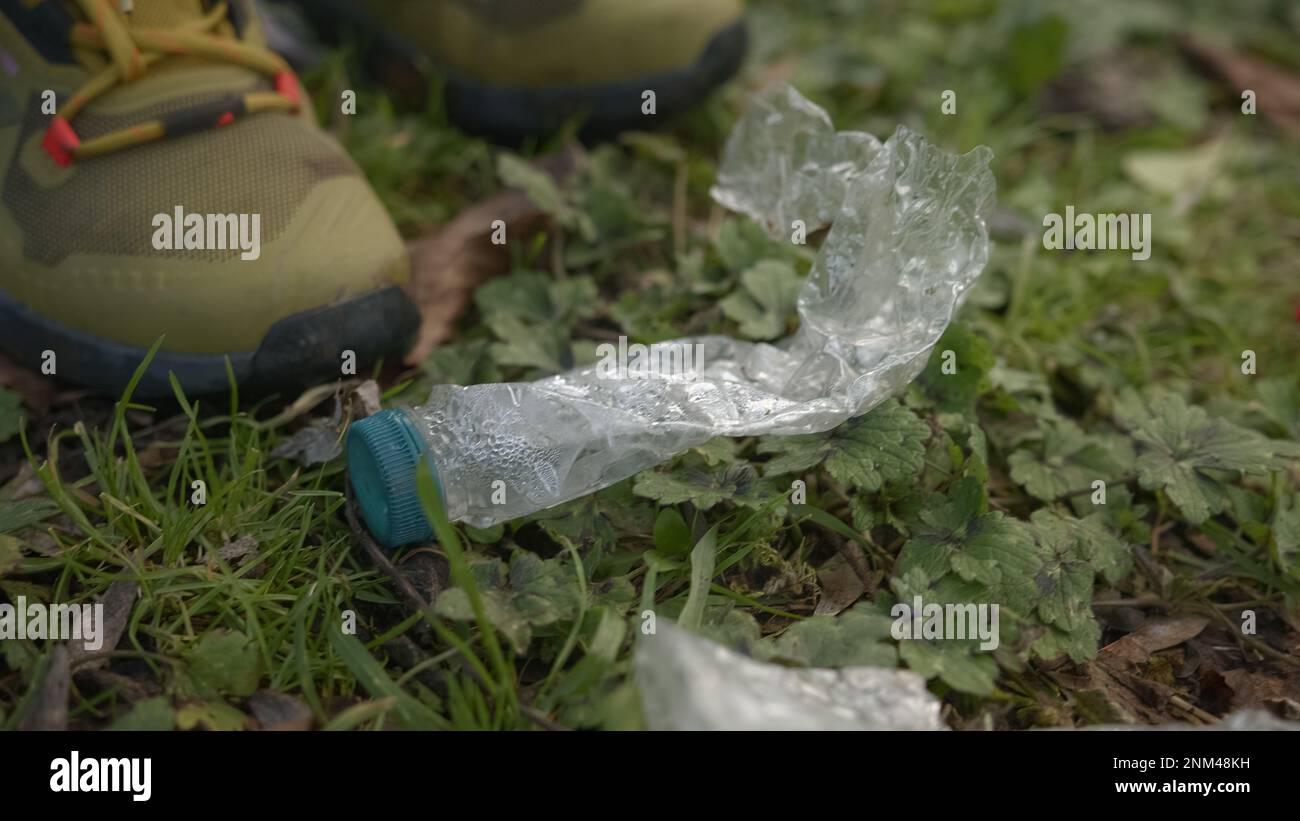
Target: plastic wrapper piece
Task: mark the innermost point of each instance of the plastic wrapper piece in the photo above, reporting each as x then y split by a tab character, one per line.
908	238
1251	721
690	683
785	161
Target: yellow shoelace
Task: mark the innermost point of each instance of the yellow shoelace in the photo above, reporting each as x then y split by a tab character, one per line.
133	49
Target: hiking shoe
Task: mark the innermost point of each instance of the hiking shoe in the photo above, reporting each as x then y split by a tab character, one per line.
163	177
521	68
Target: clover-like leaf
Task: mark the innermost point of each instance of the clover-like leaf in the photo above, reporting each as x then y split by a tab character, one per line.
545	193
742	244
705	486
535	296
1065	578
958	370
531	593
528	344
957	534
857	637
225	661
959	664
1041	571
532	317
1286	532
1178	443
1279	400
766	300
885	445
1068	459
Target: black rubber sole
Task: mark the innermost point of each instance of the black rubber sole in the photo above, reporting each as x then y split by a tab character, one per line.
514	115
300	350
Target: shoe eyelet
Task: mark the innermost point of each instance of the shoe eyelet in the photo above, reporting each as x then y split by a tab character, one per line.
60	141
286	85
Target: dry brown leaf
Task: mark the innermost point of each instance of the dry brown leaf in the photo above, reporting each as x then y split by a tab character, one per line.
363	400
1271	691
25	484
118	600
36	391
309	399
280	712
1116	695
1277	92
447	266
840	585
234	552
1104	88
1155	635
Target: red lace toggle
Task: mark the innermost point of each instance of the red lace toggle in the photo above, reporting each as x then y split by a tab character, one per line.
60	141
286	85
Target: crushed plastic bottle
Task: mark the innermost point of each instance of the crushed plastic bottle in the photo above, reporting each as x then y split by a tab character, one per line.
908	238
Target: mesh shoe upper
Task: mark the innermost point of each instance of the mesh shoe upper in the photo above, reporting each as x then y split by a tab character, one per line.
76	243
548	43
266	167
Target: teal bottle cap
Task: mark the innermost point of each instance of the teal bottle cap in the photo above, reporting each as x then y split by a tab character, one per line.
383	453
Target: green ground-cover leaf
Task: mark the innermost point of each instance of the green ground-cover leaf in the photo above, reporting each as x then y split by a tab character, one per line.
1041	571
856	637
1180	444
884	445
227	662
704	485
519	598
765	300
1068	460
11	414
957	371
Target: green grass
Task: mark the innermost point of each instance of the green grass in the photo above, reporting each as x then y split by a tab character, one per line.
534	622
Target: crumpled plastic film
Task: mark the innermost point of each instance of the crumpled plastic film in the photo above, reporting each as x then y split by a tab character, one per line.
784	162
690	683
907	240
1241	721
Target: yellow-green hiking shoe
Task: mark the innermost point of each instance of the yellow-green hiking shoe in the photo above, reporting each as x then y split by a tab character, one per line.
520	68
161	176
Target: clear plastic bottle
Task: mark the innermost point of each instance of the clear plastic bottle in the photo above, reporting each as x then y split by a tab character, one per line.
908	239
504	451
